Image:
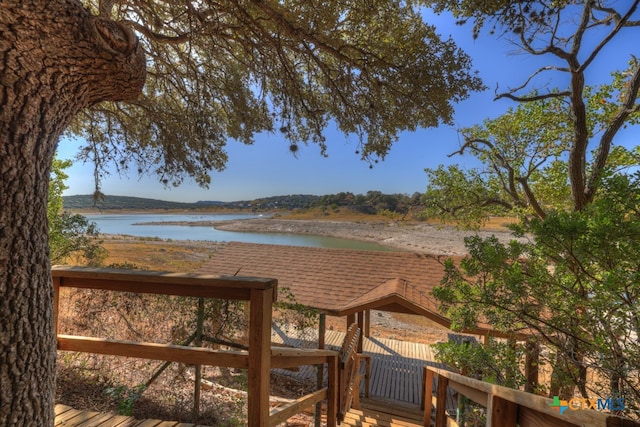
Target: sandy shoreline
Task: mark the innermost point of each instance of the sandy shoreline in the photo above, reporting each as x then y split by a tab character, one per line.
415	237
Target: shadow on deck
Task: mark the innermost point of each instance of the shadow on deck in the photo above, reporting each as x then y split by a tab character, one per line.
396	366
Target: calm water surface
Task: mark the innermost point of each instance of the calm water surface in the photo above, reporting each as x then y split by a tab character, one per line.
128	224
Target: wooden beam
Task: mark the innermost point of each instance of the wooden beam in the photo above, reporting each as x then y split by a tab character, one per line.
361	327
532	361
322	330
619	422
322	333
351	319
367	376
153	351
510	370
476	395
259	357
280	415
154	282
367	323
503	413
56	303
427	394
332	397
531	418
441	406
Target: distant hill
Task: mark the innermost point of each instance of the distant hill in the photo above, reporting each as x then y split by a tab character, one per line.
86	201
370	203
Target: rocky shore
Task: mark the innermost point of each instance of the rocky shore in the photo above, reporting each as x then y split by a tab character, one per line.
415	237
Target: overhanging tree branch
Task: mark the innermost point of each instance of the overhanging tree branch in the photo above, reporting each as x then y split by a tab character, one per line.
531	198
621	22
158	37
532	98
629	106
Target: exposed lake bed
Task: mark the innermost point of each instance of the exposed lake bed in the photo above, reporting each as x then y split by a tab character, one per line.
409	236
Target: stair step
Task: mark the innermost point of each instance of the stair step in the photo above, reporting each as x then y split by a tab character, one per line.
371	418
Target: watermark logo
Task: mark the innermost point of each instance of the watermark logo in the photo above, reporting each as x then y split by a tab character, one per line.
578	403
559	405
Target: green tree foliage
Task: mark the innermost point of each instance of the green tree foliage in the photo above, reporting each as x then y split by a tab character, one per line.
70	235
551	150
523	153
525	169
226	70
373	202
574	285
491	361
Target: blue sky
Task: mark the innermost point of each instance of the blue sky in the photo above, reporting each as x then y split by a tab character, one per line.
267	168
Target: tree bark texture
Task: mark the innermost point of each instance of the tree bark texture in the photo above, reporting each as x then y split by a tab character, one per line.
55	59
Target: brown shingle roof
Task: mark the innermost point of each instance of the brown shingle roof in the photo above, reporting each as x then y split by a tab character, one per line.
336	281
343	281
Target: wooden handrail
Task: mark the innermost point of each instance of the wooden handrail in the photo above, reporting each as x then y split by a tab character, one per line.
506	407
366	359
280	415
283	357
349	367
155	282
261	293
153	351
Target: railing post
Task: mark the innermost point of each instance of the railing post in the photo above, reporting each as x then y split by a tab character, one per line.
259	357
510	373
367	375
504	413
441	402
332	392
532	360
351	319
367	323
427	394
56	303
361	327
322	325
198	368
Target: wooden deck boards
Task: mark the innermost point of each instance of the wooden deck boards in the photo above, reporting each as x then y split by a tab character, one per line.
396	366
69	417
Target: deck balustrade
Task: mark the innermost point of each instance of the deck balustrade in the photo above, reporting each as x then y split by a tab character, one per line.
261	293
506	407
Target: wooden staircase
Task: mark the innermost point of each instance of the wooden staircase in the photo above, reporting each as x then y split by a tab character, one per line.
379	412
370	412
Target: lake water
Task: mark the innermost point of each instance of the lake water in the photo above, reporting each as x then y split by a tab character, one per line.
128	224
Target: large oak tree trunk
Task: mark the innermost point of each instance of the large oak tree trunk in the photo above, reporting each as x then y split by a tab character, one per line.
55	59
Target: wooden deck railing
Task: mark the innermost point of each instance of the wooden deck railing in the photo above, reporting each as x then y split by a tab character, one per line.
506	407
349	368
258	360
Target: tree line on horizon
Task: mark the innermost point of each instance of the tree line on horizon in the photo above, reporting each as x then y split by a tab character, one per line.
372	202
